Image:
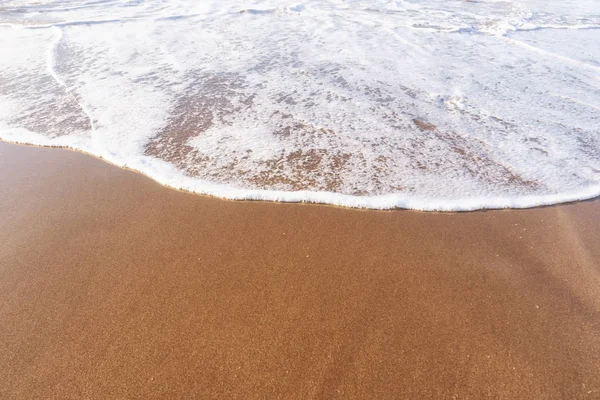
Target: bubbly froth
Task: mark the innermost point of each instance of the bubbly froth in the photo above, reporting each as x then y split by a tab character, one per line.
433	105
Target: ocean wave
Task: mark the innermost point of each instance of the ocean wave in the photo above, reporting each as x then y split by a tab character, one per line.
429	105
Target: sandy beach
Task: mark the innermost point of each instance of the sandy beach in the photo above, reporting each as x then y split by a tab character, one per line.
112	286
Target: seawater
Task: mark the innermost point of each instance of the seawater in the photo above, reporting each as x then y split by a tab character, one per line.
424	104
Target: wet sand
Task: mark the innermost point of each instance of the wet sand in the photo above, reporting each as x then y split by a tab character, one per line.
112	286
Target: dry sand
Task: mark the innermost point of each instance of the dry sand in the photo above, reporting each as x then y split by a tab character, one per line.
112	286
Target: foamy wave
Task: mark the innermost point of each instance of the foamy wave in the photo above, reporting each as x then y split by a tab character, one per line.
429	105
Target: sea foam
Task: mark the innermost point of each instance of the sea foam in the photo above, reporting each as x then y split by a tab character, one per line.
432	105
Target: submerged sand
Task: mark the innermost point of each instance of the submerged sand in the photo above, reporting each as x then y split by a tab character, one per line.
112	286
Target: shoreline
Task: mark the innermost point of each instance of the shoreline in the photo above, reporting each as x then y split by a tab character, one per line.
290	197
112	285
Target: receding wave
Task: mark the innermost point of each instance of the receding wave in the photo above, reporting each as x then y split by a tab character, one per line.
430	105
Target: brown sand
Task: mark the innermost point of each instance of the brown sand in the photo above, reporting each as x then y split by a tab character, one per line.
112	286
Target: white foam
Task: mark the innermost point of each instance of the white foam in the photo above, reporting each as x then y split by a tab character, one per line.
431	105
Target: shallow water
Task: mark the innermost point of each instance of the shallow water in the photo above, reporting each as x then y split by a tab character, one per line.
433	105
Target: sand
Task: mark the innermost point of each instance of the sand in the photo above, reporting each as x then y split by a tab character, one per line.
112	286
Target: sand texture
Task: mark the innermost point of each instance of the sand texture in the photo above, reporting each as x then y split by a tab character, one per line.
112	286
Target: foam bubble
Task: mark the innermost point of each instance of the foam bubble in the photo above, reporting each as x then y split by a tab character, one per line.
430	105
